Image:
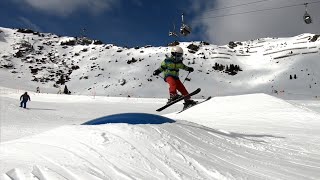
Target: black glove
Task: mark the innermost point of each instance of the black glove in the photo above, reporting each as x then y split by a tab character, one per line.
156	72
190	69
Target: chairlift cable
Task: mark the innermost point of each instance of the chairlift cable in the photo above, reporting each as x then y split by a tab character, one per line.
268	9
228	7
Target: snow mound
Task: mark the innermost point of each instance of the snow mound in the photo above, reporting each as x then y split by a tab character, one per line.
253	136
254	112
130	118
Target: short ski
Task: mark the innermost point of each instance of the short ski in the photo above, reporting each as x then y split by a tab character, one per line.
179	99
208	98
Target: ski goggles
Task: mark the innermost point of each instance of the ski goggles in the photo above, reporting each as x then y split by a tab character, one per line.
178	55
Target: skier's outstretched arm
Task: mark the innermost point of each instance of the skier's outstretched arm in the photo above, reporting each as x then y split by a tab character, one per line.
187	68
161	69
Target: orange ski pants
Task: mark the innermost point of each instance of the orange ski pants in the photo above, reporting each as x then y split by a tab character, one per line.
176	84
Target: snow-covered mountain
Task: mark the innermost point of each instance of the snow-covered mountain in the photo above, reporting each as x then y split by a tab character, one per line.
249	136
267	65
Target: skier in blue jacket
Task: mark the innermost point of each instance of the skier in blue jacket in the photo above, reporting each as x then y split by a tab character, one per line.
24	98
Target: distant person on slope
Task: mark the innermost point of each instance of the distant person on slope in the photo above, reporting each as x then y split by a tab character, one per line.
170	68
24	98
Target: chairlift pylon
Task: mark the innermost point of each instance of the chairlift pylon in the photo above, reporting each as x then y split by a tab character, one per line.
306	17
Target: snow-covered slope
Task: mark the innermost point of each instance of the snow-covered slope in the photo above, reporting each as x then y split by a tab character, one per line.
253	136
232	136
267	64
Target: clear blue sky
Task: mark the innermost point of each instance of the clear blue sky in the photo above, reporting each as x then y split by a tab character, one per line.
122	22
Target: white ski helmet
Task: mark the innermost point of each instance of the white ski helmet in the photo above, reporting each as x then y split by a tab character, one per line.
176	49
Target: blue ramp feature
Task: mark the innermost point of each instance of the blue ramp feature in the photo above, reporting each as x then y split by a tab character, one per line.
130	118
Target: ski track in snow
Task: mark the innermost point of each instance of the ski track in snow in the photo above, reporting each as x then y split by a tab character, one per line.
150	157
249	156
234	147
222	148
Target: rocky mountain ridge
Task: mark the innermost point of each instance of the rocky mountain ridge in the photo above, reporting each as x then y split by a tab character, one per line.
31	59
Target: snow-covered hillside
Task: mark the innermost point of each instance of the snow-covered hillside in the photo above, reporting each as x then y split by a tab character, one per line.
248	136
254	136
287	66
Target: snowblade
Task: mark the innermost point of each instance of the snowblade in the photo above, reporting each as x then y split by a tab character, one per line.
179	99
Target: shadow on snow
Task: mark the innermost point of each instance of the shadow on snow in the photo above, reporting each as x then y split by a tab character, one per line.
249	137
45	109
130	118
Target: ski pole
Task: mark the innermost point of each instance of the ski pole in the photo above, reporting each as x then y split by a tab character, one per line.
185	78
160	76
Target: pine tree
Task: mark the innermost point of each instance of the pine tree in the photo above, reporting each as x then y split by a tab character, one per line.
66	91
215	67
227	69
221	67
231	67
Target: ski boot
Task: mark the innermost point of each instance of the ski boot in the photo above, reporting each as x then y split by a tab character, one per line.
173	97
189	103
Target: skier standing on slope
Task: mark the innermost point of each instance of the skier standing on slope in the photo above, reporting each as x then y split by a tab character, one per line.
24	98
170	68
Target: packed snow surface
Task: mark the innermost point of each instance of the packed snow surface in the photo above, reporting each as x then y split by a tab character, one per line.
254	136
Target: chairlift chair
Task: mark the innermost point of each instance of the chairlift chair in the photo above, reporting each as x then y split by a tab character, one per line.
185	29
306	17
173	33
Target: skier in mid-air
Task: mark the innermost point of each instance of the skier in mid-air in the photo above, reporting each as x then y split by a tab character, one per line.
170	68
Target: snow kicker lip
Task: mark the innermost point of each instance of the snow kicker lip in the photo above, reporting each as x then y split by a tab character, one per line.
131	118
